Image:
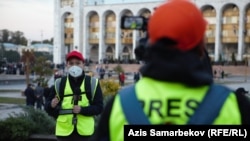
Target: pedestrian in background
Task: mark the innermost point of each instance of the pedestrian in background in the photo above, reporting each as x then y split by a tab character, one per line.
39	90
122	78
46	92
241	91
109	74
136	76
30	95
101	72
175	78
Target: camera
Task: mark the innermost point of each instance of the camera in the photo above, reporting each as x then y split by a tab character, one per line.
137	23
134	23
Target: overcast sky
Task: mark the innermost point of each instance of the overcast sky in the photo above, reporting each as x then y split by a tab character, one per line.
32	17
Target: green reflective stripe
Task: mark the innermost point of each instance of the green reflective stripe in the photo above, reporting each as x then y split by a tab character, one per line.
57	87
63	111
93	87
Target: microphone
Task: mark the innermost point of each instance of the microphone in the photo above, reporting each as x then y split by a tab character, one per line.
76	95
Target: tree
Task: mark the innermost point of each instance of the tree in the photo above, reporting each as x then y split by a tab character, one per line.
27	58
43	70
52	41
23	41
18	38
6	35
2	51
46	41
46	55
118	69
35	42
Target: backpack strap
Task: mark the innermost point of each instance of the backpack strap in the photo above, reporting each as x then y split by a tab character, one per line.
90	85
59	87
87	86
132	107
211	105
204	114
94	82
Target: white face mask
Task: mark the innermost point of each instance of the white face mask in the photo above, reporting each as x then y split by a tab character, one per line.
75	71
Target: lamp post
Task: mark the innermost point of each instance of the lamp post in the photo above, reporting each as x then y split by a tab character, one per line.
246	68
2	50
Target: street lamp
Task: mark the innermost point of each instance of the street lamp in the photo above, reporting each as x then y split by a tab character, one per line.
246	68
1	50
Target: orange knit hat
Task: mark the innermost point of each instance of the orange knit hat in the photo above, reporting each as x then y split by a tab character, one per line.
179	20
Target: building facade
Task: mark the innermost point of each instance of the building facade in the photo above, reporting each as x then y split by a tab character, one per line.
93	27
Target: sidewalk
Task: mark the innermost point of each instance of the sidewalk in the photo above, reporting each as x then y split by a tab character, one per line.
7	110
13	90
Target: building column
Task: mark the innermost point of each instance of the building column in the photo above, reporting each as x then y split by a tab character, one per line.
59	49
135	41
77	26
218	35
241	45
117	37
85	37
101	39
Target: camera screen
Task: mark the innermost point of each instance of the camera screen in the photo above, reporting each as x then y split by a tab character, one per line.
132	22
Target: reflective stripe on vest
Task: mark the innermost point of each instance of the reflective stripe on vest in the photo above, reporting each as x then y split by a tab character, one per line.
57	87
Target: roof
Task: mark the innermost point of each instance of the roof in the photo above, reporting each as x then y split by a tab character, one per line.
9	45
39	45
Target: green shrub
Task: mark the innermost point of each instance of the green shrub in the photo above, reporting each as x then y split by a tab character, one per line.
18	127
118	69
109	87
45	124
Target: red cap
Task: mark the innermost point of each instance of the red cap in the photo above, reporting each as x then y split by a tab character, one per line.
179	20
75	54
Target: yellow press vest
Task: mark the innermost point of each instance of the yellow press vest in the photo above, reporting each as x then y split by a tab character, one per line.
85	124
170	103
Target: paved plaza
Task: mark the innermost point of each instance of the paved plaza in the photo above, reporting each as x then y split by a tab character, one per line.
232	81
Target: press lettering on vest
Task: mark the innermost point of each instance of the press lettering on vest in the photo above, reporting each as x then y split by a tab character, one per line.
137	133
173	105
155	105
191	104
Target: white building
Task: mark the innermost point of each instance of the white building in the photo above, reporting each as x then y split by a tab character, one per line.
36	47
93	27
39	47
10	46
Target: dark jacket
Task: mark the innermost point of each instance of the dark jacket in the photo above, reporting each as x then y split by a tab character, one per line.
95	108
30	96
46	92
